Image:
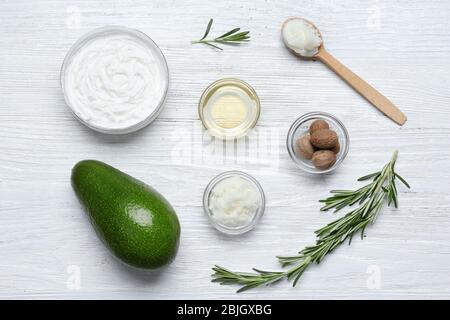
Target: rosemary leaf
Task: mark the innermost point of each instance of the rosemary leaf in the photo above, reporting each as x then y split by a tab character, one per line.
231	37
229	33
208	28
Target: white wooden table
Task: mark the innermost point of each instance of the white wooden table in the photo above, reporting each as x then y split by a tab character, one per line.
48	249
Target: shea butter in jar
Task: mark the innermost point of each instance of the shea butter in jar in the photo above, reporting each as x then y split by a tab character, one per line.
234	202
229	108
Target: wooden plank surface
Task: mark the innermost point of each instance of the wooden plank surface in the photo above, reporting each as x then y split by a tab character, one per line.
400	47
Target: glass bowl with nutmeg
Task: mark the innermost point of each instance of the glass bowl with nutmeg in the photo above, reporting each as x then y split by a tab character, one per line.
317	142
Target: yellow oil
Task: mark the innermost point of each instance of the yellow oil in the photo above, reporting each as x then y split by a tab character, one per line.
229	108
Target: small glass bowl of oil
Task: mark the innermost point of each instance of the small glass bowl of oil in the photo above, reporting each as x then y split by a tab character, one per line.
229	108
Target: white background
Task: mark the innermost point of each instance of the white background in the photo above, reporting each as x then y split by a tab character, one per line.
401	47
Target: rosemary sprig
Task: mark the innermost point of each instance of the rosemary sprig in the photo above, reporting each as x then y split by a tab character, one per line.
370	199
231	37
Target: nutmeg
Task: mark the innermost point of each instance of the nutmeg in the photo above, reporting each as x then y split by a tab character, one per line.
336	148
324	139
304	147
324	159
318	125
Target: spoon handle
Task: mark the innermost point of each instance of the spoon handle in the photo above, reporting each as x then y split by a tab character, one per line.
363	88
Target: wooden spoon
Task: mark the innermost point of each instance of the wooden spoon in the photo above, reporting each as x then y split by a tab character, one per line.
359	85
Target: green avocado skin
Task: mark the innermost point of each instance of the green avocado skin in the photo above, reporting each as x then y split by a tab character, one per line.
134	221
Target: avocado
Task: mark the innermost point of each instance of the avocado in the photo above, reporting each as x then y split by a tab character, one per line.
134	221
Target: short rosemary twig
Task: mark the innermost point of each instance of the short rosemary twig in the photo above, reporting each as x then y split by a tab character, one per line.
231	37
370	198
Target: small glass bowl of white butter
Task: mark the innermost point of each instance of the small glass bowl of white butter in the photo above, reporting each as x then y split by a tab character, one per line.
234	202
115	80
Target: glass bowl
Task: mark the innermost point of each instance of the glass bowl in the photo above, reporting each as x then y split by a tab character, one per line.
300	127
231	87
139	35
227	229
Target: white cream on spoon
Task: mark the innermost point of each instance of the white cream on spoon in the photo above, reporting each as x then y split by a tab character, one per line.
304	39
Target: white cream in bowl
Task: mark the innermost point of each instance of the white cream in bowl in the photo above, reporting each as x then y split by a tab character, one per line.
115	80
